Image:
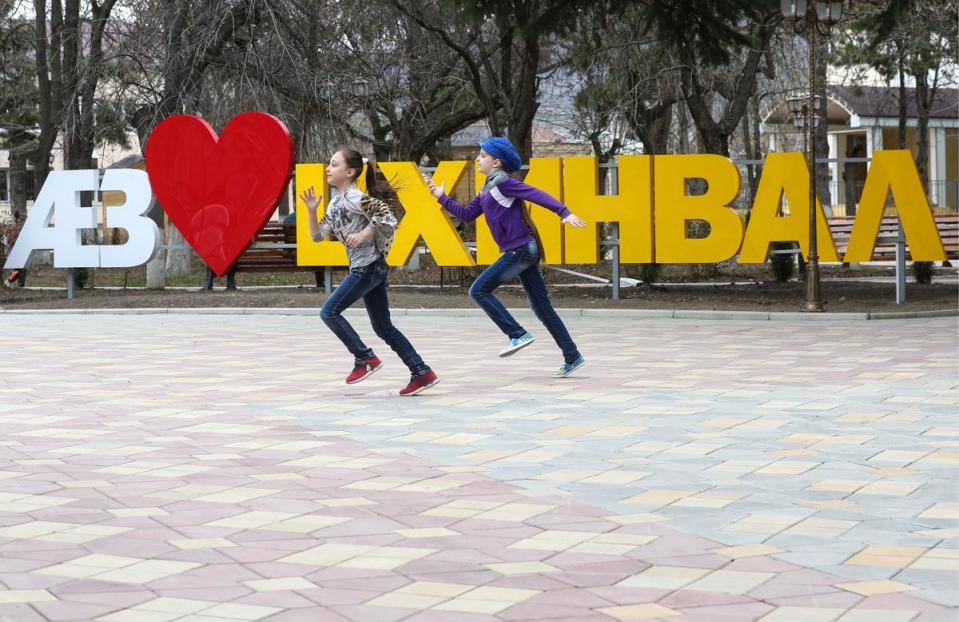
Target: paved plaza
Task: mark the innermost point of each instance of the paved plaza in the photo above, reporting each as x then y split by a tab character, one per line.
214	468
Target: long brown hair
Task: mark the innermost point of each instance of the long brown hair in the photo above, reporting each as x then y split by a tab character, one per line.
375	188
528	221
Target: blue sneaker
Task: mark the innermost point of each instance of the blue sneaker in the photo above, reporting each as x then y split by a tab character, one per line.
568	368
517	344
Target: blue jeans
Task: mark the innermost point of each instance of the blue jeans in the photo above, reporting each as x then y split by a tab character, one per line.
522	262
368	283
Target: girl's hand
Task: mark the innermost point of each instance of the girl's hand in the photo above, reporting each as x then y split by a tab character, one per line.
436	191
574	221
311	199
355	239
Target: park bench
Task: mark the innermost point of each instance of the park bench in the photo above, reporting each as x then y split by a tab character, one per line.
274	250
885	250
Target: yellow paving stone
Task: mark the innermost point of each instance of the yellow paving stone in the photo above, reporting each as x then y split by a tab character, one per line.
553	540
519	568
871	588
886	556
146	571
400	600
514	512
803	614
793	453
664	577
201	543
803	438
838	485
872	615
787	467
639	612
9	597
658	498
327	554
280	584
942	510
710	499
831	504
889	489
763	524
427	532
747	550
239	611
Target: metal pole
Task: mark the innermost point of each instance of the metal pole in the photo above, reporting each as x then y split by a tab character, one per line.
328	279
813	293
71	283
900	266
614	189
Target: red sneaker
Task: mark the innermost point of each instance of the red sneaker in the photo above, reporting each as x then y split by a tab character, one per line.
420	383
363	370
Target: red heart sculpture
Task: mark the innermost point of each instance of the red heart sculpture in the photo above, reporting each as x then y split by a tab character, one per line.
219	192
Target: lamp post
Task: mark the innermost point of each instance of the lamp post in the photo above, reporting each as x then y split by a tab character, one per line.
814	23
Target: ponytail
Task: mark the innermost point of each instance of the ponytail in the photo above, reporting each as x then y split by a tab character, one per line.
376	189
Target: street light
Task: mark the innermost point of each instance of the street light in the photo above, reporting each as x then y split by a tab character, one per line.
806	115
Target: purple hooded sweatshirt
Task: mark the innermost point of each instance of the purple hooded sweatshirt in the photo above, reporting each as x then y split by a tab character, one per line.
501	202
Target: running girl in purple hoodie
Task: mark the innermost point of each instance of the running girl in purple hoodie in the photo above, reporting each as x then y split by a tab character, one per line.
502	199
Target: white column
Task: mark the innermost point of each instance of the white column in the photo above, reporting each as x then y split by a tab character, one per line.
937	165
833	168
873	139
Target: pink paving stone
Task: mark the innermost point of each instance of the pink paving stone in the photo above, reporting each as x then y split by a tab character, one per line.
689	598
216	594
428	566
120	599
771	590
31	581
280	599
275	570
541	611
453	616
630	595
56	611
691	615
367	578
680	545
329	596
131	547
199	556
728	613
613	567
20	613
568	597
92	586
530	582
313	614
937	616
705	560
359	613
246	555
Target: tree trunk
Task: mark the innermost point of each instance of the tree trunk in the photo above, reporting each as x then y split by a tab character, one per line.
822	132
179	254
924	96
18	182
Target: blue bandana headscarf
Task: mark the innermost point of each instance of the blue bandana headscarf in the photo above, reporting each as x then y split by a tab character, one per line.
502	149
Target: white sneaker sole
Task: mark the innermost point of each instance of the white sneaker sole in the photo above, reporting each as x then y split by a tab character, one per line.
373	370
511	350
421	389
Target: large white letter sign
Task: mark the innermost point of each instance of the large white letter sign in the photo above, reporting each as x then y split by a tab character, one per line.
57	218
